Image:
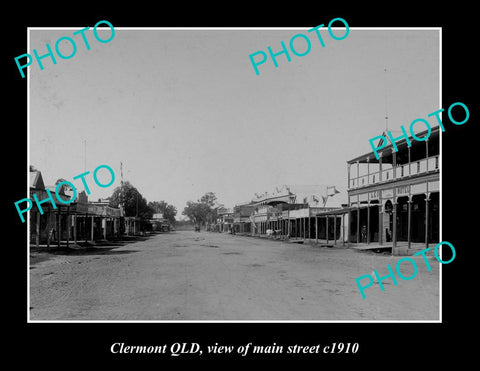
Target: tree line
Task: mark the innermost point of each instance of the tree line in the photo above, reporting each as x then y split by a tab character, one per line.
200	212
137	205
203	211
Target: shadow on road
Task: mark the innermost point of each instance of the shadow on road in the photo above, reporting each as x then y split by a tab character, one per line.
92	251
46	254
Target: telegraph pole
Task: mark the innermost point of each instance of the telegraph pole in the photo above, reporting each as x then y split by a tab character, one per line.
386	109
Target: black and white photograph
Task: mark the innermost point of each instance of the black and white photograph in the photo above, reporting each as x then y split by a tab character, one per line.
255	189
236	196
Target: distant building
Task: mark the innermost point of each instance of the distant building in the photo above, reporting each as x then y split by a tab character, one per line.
224	222
241	218
105	220
159	223
302	213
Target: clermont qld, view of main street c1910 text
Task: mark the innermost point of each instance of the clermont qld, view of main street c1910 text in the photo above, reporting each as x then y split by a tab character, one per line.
235	193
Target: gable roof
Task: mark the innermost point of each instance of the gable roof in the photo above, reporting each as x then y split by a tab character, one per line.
36	180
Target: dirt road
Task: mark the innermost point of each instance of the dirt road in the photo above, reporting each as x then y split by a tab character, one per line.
185	275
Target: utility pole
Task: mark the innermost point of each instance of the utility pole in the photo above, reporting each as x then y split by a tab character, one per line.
386	108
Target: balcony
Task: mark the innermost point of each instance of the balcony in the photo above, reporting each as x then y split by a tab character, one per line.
402	171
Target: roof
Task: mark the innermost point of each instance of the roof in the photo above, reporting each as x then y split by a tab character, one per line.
36	180
314	195
389	146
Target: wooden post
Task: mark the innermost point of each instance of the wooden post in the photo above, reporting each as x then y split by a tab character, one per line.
309	226
335	229
380	175
316	229
409	227
104	225
85	227
394	232
304	220
343	229
59	232
68	223
368	170
409	164
288	223
427	199
349	224
380	223
326	229
358	224
75	228
91	227
368	224
49	229
37	230
426	154
394	164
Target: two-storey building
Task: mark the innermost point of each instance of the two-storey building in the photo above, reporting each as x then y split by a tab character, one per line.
394	201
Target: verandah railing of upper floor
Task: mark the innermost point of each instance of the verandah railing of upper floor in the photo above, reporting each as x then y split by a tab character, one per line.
423	166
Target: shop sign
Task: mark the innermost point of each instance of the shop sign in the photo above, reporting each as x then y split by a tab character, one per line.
403	190
387	193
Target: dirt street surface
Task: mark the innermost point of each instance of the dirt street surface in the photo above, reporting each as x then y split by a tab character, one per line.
185	275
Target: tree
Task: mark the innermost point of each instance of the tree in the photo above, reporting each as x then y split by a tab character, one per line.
196	211
202	211
209	199
135	204
168	211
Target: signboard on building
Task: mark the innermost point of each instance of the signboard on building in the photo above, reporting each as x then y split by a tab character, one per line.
112	212
94	209
302	213
387	193
373	195
419	188
434	186
403	190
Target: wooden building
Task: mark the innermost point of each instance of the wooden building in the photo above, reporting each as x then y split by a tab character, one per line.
52	223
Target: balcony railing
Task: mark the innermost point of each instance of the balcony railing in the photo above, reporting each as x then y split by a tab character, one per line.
401	171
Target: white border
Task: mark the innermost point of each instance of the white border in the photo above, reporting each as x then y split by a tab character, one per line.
440	320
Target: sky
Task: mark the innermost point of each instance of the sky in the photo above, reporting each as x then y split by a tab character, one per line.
185	113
